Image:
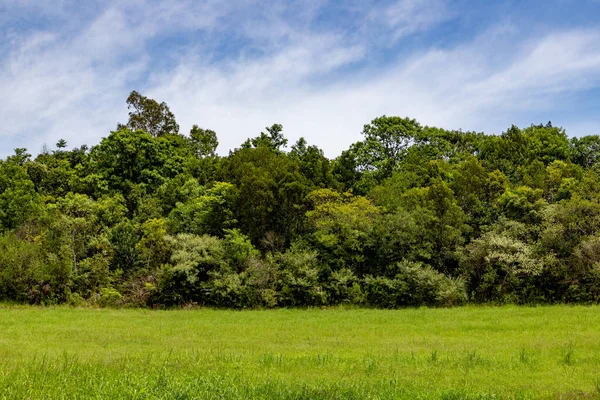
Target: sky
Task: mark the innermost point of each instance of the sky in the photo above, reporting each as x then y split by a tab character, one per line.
320	68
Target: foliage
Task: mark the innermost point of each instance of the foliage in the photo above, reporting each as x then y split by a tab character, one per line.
342	225
18	198
500	265
386	142
150	116
409	215
204	141
209	213
299	278
415	284
21	268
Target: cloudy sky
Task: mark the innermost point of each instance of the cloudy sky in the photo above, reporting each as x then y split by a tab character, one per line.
321	68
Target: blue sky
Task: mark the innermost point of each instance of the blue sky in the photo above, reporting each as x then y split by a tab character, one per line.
321	68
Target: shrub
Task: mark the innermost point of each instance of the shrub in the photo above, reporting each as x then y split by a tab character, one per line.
426	286
383	292
344	287
92	274
226	290
21	268
140	291
109	297
261	279
299	278
414	285
194	261
239	249
502	266
75	300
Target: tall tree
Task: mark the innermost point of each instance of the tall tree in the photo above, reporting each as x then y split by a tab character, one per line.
204	141
273	139
386	142
585	151
150	116
18	199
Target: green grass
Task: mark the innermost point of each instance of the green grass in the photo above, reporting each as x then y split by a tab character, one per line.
471	352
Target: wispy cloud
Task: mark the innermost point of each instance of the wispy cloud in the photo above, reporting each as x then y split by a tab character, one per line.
71	82
404	17
462	87
239	67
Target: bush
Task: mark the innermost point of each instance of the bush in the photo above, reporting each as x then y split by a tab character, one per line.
414	285
502	267
226	290
299	278
383	292
75	300
427	286
140	291
194	261
21	269
261	278
344	287
92	274
109	297
239	249
584	272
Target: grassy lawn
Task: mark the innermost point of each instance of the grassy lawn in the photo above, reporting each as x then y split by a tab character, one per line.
471	352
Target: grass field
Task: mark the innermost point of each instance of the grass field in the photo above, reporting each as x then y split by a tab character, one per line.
472	352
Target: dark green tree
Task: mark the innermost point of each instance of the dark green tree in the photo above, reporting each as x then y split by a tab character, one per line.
149	116
386	142
204	142
18	199
273	139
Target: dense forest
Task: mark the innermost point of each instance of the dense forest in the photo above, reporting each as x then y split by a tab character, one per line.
411	215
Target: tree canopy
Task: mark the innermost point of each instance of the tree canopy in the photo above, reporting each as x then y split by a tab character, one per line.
410	215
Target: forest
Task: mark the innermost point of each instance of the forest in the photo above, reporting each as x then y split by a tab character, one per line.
411	215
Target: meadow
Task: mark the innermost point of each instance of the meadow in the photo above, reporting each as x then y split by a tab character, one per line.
337	353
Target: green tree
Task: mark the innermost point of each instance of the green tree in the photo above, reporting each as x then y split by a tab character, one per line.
135	163
124	239
501	264
447	229
523	204
77	219
18	199
194	260
273	139
476	190
204	142
345	170
386	142
567	223
149	116
342	226
154	247
21	267
61	144
298	278
585	151
209	213
53	174
546	143
313	164
270	203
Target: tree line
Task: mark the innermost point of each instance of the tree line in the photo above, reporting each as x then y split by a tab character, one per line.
410	215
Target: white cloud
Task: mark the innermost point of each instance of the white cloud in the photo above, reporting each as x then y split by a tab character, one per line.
410	16
74	86
459	88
